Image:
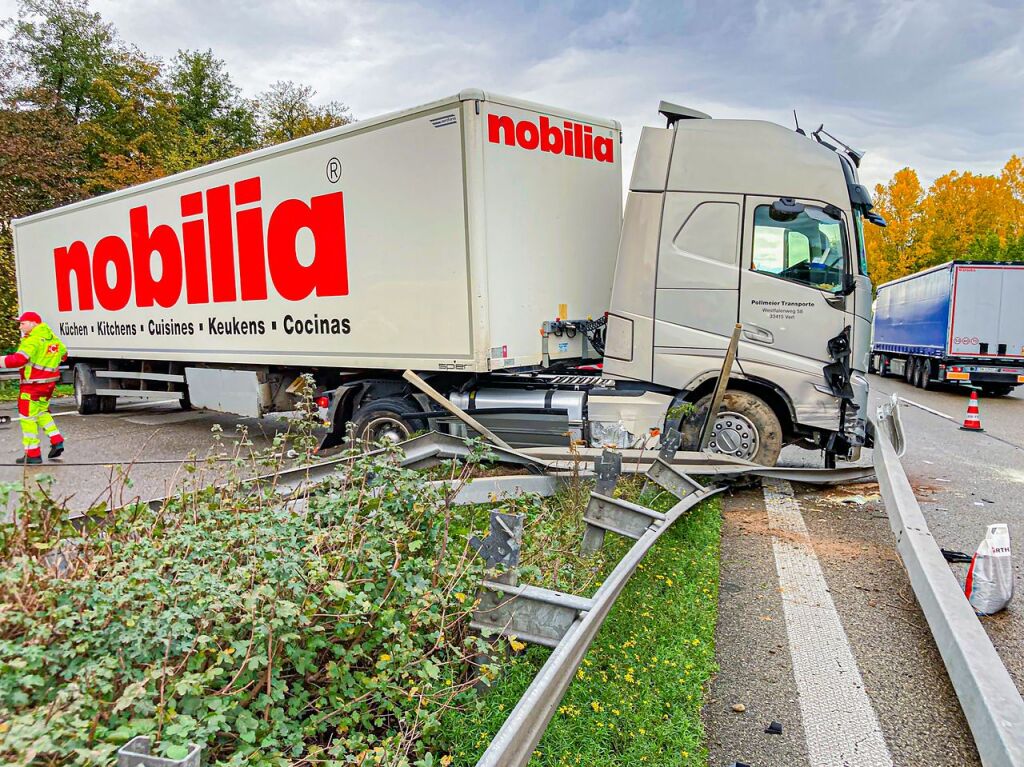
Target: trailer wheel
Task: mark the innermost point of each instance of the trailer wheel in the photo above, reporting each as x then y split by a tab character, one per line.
386	420
926	375
746	427
910	370
883	366
86	404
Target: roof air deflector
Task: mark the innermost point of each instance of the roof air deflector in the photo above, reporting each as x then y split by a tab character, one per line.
674	113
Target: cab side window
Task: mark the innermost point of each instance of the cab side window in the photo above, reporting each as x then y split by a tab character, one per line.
808	247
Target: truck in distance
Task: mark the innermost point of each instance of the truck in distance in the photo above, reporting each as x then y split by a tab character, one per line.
480	241
959	323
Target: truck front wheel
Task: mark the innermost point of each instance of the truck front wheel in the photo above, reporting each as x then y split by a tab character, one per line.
386	419
746	427
86	404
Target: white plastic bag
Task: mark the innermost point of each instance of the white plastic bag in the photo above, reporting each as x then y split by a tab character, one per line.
989	585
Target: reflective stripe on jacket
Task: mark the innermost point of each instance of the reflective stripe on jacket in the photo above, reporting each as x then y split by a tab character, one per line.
39	356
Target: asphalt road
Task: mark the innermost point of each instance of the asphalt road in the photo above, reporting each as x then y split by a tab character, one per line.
964	482
138	452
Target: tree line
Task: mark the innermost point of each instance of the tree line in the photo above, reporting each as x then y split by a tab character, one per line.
83	112
966	216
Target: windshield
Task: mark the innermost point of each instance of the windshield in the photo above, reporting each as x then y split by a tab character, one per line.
809	247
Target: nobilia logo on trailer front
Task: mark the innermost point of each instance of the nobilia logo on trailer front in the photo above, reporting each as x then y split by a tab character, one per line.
570	138
222	250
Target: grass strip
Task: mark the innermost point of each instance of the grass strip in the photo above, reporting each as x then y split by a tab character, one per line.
638	696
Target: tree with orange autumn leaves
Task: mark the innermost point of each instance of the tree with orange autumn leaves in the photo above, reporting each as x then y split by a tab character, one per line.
963	215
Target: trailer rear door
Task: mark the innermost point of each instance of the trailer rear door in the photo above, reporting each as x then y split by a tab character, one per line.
987	319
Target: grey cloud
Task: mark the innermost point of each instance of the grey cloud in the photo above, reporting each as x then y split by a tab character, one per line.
934	84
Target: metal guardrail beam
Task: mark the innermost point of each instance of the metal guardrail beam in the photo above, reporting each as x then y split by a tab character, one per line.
988	696
514	743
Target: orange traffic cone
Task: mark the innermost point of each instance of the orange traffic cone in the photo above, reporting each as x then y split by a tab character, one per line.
972	422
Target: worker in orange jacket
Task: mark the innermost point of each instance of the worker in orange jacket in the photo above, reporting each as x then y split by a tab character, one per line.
38	356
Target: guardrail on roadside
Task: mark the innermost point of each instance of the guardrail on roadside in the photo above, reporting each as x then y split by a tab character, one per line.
990	700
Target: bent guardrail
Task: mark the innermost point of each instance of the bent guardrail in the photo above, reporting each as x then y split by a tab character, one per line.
990	700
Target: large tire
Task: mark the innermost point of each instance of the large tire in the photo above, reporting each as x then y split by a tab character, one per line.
386	419
751	409
910	370
86	404
927	374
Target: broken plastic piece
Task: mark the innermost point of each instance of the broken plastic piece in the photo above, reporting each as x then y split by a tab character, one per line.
955	556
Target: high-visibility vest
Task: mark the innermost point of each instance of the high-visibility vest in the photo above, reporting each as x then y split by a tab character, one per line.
43	352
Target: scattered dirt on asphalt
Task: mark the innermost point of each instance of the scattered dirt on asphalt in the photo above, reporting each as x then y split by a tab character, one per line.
749	520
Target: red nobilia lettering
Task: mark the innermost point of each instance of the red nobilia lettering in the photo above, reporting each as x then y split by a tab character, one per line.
117	270
324	217
571	139
550	137
65	261
222	252
249	224
496	124
527	135
193	237
162	241
112	250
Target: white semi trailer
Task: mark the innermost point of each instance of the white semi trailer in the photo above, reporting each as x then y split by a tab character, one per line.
480	241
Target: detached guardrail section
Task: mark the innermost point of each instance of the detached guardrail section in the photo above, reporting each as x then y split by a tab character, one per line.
988	695
569	623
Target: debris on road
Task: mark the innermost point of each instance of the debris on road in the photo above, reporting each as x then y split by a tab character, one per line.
989	585
775	728
956	557
739	708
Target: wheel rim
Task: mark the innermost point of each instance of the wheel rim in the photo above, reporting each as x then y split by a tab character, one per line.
385	429
734	434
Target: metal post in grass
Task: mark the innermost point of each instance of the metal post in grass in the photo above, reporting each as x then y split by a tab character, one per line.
607	467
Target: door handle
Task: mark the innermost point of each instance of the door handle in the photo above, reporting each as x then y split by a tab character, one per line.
759	334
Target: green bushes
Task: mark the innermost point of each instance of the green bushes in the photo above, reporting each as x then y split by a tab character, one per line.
273	637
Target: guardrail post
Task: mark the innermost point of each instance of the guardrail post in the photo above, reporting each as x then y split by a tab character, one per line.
608	468
502	546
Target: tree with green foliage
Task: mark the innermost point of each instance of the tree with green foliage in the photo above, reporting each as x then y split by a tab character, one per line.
61	47
215	121
286	111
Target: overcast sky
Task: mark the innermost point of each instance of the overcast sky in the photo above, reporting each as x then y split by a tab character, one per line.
934	84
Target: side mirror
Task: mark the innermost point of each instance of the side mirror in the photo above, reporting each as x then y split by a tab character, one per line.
785	209
875	219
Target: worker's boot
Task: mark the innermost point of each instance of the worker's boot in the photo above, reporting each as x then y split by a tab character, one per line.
31	460
56	451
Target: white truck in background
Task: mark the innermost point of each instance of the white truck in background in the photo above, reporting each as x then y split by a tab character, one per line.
480	241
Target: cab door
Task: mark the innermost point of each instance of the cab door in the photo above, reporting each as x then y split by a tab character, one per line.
795	255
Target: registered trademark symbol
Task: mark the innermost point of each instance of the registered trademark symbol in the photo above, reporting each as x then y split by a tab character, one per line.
334	170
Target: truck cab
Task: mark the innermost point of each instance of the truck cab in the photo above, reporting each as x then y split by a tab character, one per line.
740	221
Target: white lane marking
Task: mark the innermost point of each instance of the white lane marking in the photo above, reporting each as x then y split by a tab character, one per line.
840	725
928	409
